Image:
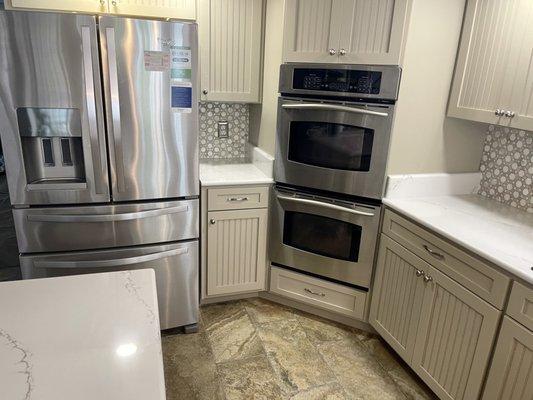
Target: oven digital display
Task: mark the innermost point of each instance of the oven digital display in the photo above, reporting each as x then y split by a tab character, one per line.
337	80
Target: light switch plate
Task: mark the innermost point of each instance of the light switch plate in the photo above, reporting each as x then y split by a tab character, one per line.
223	129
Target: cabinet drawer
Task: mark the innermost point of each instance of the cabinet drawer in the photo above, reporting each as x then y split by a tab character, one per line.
319	293
236	198
470	272
520	305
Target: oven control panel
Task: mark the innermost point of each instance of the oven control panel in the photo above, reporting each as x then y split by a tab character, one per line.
337	80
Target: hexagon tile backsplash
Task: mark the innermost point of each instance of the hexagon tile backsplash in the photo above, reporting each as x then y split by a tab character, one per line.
507	167
234	146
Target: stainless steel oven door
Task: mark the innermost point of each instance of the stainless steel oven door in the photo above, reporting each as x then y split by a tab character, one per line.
335	146
326	237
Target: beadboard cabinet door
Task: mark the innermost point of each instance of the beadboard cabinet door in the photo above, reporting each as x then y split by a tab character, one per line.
86	6
372	31
236	251
511	372
230	49
312	30
454	339
494	68
176	9
397	296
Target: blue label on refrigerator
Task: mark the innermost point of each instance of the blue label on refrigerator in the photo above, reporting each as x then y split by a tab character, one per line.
181	97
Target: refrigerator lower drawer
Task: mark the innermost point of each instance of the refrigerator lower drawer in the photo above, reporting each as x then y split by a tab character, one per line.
175	266
50	229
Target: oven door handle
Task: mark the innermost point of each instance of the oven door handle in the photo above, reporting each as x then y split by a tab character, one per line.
332	107
325	205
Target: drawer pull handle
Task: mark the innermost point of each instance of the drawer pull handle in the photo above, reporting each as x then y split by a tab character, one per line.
315	293
434	253
419	273
237	198
427	278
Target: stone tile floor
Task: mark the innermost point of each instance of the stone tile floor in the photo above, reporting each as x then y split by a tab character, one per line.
256	349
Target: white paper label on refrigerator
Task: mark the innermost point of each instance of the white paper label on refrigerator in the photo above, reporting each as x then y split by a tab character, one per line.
181	97
180	63
156	61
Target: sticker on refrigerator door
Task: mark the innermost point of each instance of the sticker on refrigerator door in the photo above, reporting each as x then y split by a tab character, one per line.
181	97
156	61
180	63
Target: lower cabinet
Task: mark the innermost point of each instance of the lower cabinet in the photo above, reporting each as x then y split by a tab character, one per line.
441	329
236	251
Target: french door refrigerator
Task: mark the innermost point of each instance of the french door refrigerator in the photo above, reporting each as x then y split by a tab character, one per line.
99	121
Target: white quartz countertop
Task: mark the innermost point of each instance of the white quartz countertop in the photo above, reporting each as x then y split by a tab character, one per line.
496	232
81	337
232	174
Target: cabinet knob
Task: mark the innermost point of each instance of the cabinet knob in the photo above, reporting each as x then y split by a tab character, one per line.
114	3
419	272
204	91
342	52
498	112
102	2
212	221
332	52
428	278
509	114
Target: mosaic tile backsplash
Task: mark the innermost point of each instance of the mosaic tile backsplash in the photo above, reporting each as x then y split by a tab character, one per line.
237	116
507	167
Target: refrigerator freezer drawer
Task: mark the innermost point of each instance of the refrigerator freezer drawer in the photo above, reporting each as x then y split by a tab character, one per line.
175	266
96	227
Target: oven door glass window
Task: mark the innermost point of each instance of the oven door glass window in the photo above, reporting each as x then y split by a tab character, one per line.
321	235
331	145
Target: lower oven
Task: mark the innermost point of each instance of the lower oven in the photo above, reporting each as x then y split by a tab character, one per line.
324	236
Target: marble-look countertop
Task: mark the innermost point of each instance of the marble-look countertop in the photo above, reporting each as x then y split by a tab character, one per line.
232	174
81	337
496	232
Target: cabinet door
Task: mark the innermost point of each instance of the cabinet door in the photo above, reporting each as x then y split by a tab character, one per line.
236	251
454	339
397	296
312	28
494	67
511	373
230	49
178	9
88	6
373	31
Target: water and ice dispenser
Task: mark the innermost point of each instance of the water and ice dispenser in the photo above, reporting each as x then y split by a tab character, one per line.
52	146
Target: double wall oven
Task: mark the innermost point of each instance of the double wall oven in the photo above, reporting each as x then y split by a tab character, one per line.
333	135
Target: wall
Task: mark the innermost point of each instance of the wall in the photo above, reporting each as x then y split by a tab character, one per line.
507	167
233	147
263	117
424	139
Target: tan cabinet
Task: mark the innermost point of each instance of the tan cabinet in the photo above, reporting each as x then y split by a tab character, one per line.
176	9
441	329
344	31
230	49
493	79
511	372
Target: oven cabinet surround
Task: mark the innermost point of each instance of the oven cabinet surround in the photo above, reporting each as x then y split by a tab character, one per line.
511	372
438	307
178	9
231	37
345	31
494	68
234	237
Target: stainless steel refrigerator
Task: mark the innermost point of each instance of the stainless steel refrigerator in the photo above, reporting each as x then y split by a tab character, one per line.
99	122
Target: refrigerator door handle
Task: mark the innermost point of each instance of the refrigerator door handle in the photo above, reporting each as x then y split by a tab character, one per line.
116	262
115	108
95	139
106	217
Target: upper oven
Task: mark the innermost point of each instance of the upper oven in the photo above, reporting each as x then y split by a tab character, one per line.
334	127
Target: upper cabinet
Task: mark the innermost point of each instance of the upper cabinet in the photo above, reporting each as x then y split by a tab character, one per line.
493	79
176	9
230	49
345	31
